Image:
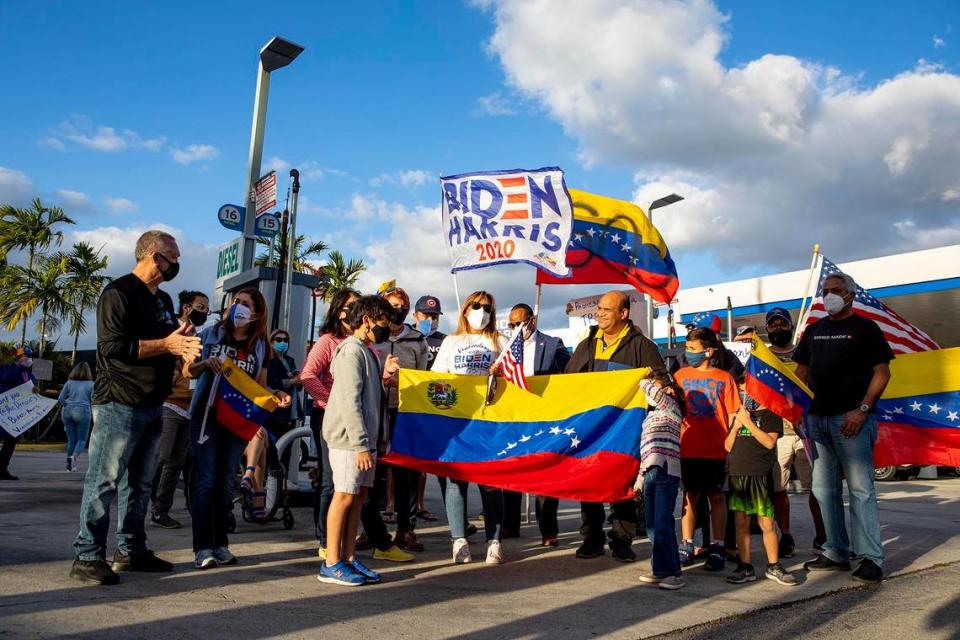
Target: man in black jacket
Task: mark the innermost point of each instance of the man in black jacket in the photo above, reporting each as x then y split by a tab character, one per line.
612	345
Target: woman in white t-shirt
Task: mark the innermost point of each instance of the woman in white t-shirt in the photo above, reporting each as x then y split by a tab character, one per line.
472	350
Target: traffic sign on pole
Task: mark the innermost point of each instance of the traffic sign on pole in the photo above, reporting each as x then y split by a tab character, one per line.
266	192
232	216
268	225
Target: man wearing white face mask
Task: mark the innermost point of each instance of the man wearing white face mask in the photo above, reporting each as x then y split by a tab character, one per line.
844	358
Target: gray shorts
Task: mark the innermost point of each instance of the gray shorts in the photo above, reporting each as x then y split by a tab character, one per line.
347	478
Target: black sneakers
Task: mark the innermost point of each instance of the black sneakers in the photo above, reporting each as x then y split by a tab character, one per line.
823	563
164	521
868	572
622	551
144	561
6	475
787	546
590	550
93	572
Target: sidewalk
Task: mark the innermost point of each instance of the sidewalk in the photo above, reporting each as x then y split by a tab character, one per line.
274	592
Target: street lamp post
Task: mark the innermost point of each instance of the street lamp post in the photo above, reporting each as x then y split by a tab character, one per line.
657	204
274	55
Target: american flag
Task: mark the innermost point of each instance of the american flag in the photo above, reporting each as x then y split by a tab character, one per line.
511	361
902	336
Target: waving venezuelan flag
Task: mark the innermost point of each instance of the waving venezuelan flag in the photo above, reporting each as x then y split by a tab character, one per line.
242	405
613	242
576	436
920	410
773	384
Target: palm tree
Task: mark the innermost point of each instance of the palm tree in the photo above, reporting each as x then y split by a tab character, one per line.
302	252
24	291
85	280
338	274
30	229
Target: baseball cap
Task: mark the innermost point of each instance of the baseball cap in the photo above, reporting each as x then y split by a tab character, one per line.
428	304
744	330
24	351
779	312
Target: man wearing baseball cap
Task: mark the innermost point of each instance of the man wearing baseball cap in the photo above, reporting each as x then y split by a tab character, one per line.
790	448
13	375
427	314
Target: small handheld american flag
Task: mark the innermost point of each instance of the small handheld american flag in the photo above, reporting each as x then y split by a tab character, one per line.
511	360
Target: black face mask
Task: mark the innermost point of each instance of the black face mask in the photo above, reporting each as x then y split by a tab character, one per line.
380	334
780	337
399	315
198	318
173	268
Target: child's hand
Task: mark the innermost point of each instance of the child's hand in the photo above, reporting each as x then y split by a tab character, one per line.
364	461
392	365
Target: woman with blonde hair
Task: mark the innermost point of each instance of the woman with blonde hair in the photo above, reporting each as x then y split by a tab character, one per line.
472	350
77	400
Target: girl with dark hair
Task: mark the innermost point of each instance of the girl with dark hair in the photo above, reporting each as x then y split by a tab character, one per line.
712	402
77	400
242	337
472	350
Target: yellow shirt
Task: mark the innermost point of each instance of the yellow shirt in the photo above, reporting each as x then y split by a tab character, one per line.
603	352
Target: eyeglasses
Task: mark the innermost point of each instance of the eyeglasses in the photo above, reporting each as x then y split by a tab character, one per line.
486	307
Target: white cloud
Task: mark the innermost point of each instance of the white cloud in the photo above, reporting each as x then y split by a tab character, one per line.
407	179
773	156
276	164
120	205
15	187
495	104
194	153
74	200
938	42
82	132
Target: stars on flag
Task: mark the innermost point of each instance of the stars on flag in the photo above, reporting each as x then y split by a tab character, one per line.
934	408
574	442
555	431
569	432
952	416
916	406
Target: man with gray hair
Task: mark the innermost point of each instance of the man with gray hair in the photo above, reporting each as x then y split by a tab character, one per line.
844	358
138	342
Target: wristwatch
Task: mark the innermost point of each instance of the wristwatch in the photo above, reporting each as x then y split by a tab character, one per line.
865	408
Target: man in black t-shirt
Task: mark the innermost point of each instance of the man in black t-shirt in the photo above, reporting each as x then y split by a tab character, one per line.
138	342
844	358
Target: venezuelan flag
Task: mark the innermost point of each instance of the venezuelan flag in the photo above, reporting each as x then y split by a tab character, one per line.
773	384
577	436
919	412
613	242
242	405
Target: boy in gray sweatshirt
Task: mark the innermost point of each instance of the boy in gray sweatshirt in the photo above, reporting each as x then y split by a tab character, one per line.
351	427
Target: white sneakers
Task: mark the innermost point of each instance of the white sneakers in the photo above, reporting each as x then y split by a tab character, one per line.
494	552
461	551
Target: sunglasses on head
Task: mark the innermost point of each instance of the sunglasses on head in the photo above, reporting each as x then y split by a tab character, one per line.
486	307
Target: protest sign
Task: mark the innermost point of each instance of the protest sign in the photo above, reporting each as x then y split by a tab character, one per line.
503	217
582	312
21	408
740	349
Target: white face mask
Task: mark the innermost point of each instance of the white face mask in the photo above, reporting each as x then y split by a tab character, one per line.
240	315
477	319
833	303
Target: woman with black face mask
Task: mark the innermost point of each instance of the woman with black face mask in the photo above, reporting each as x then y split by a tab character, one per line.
175	437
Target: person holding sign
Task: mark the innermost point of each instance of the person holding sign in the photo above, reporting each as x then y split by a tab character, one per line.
242	337
13	375
138	342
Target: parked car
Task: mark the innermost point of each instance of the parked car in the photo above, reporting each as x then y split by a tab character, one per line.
908	471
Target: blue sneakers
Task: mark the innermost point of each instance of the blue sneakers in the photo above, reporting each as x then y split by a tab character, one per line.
369	575
341	573
686	554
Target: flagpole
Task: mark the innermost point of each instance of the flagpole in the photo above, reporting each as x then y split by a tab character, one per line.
206	411
729	319
456	288
536	304
806	291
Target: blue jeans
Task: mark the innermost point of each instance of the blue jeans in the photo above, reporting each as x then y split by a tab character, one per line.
853	457
215	463
76	422
660	500
455	497
123	457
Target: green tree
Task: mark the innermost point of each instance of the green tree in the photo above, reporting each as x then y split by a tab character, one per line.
85	280
24	291
338	273
303	251
31	229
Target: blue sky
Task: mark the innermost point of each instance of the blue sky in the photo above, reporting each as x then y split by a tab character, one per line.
389	95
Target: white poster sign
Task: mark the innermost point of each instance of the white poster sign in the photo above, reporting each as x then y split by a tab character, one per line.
740	349
503	217
21	408
582	312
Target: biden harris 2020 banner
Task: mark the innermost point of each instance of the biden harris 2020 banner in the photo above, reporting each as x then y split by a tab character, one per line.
502	217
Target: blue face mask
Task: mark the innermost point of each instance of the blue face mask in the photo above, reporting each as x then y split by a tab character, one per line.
427	327
695	358
281	347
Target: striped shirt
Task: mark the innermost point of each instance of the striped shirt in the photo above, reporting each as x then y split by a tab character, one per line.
660	439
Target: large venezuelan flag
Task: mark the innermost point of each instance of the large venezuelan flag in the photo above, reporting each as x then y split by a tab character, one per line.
242	405
773	384
920	410
576	436
613	242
